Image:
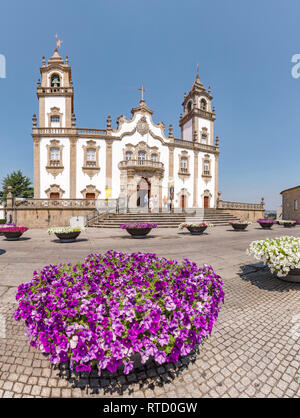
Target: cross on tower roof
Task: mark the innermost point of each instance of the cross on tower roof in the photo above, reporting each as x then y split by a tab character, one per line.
58	41
142	91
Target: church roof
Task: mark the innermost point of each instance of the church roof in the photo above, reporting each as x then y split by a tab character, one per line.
56	58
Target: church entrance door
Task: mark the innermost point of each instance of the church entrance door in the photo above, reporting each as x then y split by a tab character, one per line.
182	201
206	202
143	193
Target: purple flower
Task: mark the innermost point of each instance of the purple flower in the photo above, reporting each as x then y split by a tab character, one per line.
115	305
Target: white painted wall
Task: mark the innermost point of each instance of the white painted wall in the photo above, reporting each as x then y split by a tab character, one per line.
62	179
188	131
82	179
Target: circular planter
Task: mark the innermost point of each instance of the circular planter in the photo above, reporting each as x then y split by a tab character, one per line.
68	236
239	227
266	225
138	232
289	225
292	277
196	230
12	236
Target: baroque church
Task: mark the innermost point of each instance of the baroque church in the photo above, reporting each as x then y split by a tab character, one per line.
137	161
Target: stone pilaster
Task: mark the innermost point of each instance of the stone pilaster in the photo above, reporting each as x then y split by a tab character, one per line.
196	171
73	167
36	168
108	165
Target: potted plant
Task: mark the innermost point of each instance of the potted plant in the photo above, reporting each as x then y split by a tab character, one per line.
266	223
12	232
5	225
195	228
67	233
287	224
113	308
138	229
281	255
239	225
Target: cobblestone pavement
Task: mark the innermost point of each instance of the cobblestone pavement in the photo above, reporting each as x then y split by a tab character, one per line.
253	350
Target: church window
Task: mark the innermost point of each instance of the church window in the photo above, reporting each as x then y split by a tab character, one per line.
55	80
54	154
204	138
203	104
55	119
128	155
91	157
141	157
189	106
206	168
184	164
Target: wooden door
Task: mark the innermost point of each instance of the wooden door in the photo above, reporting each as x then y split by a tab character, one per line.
206	202
182	201
90	196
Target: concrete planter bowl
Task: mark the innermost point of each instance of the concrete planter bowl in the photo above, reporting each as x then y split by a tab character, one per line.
239	227
196	230
266	225
138	232
67	236
292	277
12	236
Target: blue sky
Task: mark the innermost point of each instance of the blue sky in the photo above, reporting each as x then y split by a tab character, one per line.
244	51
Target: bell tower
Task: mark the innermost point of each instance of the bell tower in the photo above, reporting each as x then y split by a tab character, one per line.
197	121
55	93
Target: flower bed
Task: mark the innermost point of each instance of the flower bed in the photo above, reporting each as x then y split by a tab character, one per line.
138	229
195	228
12	232
266	223
239	225
281	254
116	306
67	233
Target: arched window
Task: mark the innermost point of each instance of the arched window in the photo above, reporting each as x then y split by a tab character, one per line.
55	80
204	138
141	157
154	158
189	106
203	104
54	154
128	155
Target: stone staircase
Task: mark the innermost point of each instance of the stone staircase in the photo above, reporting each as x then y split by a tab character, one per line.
166	220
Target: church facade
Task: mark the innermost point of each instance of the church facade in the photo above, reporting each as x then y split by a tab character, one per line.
136	160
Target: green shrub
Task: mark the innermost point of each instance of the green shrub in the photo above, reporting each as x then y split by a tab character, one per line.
2	221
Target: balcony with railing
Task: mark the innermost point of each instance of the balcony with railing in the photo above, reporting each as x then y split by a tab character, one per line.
148	165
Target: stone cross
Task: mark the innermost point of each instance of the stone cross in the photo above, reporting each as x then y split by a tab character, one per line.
142	90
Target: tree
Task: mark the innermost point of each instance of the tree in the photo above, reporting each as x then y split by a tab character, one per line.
21	185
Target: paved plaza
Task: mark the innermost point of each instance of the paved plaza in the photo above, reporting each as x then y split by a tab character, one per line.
252	352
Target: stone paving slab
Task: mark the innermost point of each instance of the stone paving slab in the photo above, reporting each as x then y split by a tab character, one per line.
253	350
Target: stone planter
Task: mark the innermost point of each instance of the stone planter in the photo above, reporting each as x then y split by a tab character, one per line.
138	232
12	236
67	236
289	225
292	277
266	225
196	230
239	227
